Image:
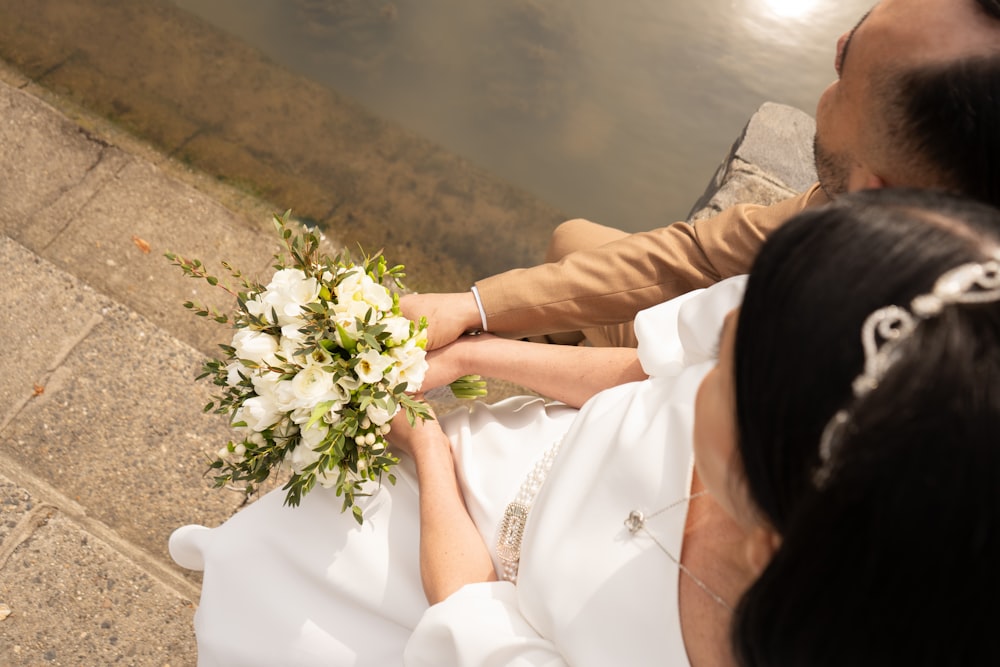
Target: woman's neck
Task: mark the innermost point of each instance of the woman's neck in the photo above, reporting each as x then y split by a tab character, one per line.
714	554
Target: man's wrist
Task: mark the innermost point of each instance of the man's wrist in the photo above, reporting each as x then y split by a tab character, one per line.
479	308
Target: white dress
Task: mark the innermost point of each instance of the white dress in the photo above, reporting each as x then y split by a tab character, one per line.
308	586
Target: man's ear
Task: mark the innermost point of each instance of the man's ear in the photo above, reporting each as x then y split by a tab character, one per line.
863	179
761	544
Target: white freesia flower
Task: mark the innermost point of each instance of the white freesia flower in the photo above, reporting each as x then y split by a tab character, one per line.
258	308
379	415
301	416
348	383
372	364
411	364
303	454
291	331
255	346
375	294
287	293
265	384
359	286
301	386
398	329
349	285
233	372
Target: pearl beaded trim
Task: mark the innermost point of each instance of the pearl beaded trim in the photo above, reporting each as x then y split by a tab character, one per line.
515	517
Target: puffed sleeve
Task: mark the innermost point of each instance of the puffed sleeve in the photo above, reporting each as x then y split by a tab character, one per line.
480	625
685	331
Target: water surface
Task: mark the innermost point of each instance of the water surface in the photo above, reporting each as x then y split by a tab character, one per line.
614	111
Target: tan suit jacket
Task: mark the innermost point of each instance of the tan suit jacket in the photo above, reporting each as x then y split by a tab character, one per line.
608	285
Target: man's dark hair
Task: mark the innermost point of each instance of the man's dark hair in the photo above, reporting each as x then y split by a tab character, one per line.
991	7
941	121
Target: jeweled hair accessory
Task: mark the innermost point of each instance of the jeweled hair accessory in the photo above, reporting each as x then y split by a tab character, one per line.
886	329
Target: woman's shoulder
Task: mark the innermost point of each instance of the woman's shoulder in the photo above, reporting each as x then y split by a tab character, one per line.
685	330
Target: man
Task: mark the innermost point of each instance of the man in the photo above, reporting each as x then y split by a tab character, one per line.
916	104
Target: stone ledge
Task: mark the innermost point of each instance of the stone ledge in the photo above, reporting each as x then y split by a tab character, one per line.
771	160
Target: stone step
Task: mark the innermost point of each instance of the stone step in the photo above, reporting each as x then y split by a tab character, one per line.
103	454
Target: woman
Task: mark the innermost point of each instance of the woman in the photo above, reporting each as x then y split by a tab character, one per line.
880	468
616	567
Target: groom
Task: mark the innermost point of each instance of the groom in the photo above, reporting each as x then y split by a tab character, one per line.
916	103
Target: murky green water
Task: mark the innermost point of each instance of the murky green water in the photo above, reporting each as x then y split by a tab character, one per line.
614	111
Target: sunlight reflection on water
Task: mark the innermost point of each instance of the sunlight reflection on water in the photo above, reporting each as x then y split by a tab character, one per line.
618	112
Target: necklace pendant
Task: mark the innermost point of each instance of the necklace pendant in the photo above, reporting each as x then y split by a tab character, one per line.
635	521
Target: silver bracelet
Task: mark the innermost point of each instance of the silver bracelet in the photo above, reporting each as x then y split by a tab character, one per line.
479	304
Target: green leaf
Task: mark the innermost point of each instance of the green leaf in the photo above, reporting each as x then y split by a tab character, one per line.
348	343
318	412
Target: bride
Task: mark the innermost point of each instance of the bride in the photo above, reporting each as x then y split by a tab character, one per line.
547	534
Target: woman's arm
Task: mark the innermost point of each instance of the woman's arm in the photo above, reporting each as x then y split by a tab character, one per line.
452	553
566	373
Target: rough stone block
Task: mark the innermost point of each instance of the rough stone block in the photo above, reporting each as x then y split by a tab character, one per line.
74	600
116	240
770	161
42	154
122	435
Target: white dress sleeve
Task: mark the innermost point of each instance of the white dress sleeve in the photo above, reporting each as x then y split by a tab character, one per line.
479	625
684	331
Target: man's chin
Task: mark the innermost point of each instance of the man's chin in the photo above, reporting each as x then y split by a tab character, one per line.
829	171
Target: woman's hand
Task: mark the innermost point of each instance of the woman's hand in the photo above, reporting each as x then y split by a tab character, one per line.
452	553
412	440
451	362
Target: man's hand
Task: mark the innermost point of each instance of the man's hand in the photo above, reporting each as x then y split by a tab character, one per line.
448	315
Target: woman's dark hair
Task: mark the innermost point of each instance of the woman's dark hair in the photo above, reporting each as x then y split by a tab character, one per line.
894	558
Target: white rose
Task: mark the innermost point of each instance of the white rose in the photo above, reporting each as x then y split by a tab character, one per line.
371	366
255	346
284	396
288	291
312	384
258	413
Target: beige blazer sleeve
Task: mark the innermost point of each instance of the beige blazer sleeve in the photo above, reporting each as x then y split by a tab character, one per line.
610	284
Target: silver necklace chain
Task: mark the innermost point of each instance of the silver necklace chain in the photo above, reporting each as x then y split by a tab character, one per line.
636	521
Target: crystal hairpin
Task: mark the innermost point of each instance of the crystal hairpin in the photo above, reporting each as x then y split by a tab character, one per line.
887	328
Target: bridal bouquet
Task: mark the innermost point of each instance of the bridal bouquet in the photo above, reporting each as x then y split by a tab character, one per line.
319	364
